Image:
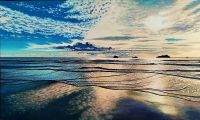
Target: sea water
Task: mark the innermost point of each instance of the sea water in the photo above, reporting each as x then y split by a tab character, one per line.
77	88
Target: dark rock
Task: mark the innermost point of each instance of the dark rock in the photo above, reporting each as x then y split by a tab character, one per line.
134	57
115	56
163	56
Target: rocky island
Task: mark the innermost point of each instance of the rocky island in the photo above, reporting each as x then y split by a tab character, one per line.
163	56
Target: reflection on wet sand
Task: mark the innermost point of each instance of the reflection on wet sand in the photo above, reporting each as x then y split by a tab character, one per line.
86	102
166	88
38	98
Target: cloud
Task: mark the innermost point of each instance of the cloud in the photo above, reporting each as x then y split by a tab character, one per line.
117	38
75	46
154	3
196	11
187	25
20	23
192	4
68	19
173	39
3	19
156	23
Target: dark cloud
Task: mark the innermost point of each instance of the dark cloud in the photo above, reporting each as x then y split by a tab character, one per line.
196	11
186	26
184	45
117	38
83	47
192	4
147	40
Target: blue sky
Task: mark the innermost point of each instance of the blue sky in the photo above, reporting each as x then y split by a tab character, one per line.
43	22
128	24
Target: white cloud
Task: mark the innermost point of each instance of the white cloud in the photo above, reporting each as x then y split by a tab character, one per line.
157	23
126	18
4	19
20	22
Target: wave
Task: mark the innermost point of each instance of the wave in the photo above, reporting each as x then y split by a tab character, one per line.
133	75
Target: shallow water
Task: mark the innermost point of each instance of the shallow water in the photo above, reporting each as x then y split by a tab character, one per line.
75	88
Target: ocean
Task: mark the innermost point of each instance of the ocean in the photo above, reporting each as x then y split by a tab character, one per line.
47	88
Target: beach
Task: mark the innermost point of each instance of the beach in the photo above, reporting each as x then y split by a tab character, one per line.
98	89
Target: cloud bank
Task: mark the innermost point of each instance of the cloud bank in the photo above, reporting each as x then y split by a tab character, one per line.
75	46
117	38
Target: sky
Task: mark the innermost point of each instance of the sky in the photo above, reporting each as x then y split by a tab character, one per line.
144	28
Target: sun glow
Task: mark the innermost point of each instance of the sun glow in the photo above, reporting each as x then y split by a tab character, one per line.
156	23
